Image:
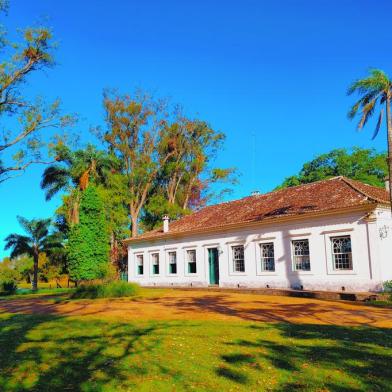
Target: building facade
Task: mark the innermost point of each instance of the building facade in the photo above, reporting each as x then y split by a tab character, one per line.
343	242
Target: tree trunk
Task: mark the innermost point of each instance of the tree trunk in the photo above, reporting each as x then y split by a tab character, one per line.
188	193
35	272
134	225
389	133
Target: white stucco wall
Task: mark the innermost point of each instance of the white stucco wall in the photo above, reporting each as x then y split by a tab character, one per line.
370	256
384	234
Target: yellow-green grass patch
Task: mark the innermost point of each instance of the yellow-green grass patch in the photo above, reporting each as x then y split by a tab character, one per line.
48	353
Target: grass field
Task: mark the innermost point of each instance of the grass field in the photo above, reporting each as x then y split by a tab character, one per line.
56	352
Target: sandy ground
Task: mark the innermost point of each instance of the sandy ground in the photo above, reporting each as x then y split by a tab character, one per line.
200	305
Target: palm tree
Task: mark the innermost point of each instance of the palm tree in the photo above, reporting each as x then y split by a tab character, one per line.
37	240
75	173
375	93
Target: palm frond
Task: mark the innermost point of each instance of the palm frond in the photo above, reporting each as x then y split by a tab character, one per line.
376	82
52	242
363	102
378	126
38	230
18	244
54	179
13	239
367	112
26	224
354	110
41	228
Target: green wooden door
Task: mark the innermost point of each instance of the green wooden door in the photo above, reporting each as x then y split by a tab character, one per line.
213	262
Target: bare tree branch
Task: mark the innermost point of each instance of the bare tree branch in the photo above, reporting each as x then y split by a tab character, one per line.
20	169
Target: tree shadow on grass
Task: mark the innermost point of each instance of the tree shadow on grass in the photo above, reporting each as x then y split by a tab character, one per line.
338	358
47	353
232	375
272	310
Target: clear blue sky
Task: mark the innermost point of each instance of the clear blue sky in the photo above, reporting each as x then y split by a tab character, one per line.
276	69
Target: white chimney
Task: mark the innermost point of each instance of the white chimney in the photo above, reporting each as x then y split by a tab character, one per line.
387	183
165	223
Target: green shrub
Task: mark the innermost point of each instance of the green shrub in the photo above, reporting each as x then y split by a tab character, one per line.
388	288
106	290
8	287
8	281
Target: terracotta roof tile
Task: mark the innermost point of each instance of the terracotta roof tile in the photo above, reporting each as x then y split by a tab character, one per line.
327	195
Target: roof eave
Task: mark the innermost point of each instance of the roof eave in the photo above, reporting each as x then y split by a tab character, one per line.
217	229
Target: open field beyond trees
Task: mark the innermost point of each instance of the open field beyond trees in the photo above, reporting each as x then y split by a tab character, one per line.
170	340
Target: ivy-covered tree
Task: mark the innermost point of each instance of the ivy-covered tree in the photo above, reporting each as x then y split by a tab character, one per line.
88	244
72	173
114	194
366	165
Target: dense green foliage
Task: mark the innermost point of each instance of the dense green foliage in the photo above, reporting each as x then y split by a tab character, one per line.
88	245
25	266
364	165
388	286
73	173
154	162
185	181
106	290
163	153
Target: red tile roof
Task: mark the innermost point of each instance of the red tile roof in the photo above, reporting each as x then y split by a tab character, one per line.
328	195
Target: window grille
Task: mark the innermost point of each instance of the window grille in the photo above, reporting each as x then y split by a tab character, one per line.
191	255
140	264
267	257
155	263
172	262
341	253
301	255
238	258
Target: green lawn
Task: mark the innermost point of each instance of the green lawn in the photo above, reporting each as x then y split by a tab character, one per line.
53	353
28	293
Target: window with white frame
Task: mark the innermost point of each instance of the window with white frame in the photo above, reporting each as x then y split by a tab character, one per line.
238	258
341	253
140	264
301	255
155	263
267	257
172	262
191	261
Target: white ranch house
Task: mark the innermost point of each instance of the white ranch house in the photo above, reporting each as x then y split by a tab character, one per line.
329	235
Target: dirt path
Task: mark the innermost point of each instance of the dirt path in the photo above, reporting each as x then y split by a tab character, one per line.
200	305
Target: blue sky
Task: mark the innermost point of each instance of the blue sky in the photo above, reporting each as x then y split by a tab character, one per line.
271	75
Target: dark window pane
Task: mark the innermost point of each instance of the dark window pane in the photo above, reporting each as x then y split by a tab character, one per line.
191	268
173	268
